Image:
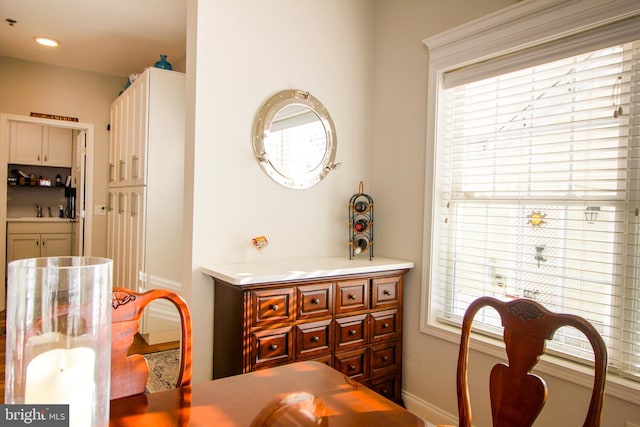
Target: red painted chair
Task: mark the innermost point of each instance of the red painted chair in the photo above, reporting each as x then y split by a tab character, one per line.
129	374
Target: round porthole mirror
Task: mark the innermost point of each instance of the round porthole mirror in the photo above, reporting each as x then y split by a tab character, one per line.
294	139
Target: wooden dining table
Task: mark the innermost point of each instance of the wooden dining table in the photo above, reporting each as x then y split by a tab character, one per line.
298	394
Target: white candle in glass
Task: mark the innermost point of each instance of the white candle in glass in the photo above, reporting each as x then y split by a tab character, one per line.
62	376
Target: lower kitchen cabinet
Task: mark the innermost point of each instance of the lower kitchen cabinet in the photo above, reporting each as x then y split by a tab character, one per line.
352	323
34	239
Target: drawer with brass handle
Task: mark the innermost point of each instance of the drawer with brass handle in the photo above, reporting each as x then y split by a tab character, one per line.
314	339
385	358
353	364
386	292
351	332
352	295
271	347
385	325
272	306
315	300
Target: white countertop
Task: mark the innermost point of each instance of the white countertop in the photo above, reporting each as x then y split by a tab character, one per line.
36	219
297	269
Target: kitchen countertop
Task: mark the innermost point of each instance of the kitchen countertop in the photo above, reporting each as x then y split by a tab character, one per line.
36	219
297	269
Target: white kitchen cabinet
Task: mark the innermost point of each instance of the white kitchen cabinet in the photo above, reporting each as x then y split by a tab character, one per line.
129	132
146	168
126	240
34	239
35	144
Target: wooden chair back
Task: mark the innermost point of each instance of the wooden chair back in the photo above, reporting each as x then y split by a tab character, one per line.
129	374
517	396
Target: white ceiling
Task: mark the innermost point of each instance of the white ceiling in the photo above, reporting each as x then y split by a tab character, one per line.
115	37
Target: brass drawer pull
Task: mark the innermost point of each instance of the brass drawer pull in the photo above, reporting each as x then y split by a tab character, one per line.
352	367
274	307
385	358
315	339
386	292
352	332
351	297
274	346
315	301
385	326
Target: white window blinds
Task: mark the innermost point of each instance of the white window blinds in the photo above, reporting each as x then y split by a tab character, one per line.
537	180
296	141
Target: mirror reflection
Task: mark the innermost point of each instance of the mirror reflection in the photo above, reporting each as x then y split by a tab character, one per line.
294	139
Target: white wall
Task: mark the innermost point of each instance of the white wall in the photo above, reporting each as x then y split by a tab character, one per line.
247	51
400	161
27	87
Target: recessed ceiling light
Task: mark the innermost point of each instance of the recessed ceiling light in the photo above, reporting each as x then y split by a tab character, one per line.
46	41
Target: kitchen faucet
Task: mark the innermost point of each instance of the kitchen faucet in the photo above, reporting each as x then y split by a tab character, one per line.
38	210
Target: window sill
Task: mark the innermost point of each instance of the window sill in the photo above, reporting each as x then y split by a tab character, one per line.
561	369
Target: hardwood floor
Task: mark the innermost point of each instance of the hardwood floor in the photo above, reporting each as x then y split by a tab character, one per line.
139	346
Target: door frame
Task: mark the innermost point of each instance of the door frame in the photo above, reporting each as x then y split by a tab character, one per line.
88	128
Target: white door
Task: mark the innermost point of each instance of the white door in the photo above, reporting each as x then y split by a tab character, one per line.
121	261
138	119
115	228
78	178
55	244
136	236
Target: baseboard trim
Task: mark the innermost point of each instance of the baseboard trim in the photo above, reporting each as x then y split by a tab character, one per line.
427	411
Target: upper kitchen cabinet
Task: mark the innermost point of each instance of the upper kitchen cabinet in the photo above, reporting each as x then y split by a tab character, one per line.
145	112
127	155
35	144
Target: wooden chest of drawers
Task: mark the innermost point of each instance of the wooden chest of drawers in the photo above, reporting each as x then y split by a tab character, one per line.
352	323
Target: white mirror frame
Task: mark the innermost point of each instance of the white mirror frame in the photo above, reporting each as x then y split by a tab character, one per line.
262	124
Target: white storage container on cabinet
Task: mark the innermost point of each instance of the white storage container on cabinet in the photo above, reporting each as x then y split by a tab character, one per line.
146	168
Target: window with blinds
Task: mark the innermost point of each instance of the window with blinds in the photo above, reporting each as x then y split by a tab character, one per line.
538	186
296	141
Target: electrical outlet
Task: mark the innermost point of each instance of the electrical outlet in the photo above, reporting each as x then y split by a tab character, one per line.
630	424
100	210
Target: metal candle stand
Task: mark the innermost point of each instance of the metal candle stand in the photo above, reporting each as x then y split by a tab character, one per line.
360	224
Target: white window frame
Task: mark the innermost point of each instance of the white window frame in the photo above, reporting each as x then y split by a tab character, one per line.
523	25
